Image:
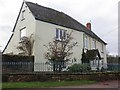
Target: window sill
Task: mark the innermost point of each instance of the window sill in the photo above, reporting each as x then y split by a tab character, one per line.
60	40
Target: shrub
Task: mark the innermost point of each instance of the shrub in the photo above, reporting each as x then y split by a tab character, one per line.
79	68
103	69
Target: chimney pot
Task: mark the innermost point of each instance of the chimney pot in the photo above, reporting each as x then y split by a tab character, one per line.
88	26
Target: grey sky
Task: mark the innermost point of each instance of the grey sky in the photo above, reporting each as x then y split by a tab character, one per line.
102	13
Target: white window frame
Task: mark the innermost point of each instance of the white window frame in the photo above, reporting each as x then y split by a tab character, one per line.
85	41
93	44
22	32
102	48
60	33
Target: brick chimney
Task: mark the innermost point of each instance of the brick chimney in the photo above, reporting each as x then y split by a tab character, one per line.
88	25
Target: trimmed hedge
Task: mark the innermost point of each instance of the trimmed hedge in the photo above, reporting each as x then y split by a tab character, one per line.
17	63
17	58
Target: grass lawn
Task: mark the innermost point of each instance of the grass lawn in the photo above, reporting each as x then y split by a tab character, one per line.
45	84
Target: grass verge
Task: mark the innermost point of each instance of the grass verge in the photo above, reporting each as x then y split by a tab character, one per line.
45	84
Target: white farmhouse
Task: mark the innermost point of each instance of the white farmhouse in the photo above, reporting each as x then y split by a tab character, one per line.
45	24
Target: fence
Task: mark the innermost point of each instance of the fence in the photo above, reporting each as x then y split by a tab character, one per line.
15	63
9	67
26	67
113	67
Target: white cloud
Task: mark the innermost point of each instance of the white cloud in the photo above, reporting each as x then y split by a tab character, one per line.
5	34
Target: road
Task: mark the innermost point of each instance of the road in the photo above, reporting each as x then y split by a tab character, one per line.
107	84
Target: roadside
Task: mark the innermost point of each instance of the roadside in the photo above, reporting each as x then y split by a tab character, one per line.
45	84
106	84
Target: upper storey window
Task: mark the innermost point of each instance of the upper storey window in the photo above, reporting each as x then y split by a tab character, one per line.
85	41
93	44
102	48
23	32
23	15
60	34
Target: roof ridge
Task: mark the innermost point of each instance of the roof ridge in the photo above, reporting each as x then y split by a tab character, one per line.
43	6
57	11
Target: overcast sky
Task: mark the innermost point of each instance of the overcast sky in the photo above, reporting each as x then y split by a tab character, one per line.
103	15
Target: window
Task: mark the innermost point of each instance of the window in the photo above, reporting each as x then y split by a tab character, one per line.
85	41
22	32
23	15
94	44
102	48
60	34
92	63
102	62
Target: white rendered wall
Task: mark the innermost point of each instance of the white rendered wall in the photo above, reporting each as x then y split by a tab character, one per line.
28	22
45	33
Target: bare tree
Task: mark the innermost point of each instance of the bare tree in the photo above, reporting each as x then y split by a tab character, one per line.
26	45
59	51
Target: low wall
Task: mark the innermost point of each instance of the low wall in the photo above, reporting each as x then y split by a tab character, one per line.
59	77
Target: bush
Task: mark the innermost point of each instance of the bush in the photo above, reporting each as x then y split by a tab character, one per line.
103	69
79	68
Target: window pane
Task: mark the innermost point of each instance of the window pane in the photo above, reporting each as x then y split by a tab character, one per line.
22	32
64	35
57	33
85	41
93	44
61	34
102	48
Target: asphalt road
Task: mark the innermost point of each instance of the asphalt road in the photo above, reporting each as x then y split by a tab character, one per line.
107	84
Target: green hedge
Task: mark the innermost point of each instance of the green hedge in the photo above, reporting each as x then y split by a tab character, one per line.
79	68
